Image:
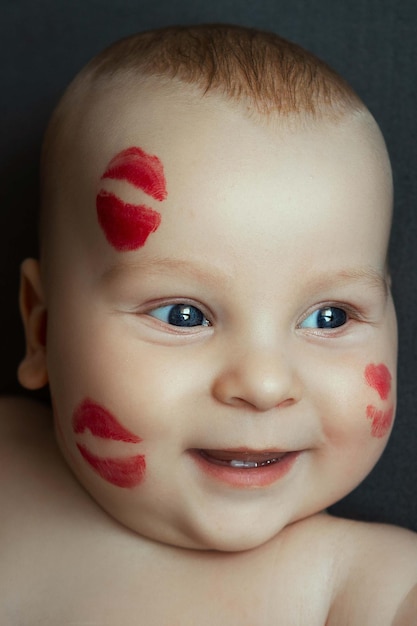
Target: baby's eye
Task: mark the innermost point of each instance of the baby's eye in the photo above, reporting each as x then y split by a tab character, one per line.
326	317
185	315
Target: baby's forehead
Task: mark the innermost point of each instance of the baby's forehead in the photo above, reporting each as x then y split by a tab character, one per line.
154	113
139	144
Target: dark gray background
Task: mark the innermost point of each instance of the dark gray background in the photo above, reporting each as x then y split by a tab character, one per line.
373	43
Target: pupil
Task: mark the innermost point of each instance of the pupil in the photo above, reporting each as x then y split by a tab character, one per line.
185	315
331	318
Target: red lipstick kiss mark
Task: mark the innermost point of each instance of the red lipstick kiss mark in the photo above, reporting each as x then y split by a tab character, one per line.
142	170
126	226
381	420
124	472
100	422
379	378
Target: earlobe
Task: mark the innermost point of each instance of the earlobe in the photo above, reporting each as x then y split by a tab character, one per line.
32	372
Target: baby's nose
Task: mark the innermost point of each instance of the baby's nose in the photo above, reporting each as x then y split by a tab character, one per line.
261	379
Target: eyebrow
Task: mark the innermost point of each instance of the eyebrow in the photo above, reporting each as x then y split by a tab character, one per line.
212	275
366	275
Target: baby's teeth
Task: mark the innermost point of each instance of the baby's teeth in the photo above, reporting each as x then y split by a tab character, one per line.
245	464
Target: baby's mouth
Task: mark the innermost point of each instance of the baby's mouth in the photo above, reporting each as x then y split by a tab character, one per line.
242	459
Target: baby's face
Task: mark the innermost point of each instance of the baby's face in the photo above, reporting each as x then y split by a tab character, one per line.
221	339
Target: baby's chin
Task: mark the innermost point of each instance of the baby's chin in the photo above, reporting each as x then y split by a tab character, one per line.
235	538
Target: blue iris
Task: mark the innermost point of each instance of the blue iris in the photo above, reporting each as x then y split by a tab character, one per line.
326	317
184	315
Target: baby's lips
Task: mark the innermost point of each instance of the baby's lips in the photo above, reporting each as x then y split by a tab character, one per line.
248	456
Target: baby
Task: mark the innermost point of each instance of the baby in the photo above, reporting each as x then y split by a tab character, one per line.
212	313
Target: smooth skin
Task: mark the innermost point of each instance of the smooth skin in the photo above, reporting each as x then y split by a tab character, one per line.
270	229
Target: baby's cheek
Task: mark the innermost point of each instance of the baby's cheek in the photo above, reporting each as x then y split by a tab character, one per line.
378	377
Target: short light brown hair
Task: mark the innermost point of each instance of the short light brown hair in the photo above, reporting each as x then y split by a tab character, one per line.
269	72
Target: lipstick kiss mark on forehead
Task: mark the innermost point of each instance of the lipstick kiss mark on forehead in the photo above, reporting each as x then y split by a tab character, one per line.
379	378
142	170
126	226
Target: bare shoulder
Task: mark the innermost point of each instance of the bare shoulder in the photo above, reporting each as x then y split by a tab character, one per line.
25	428
30	460
20	416
376	567
27	448
40	503
34	475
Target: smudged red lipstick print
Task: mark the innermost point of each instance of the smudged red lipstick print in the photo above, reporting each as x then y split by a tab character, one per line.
379	378
128	226
120	471
380	420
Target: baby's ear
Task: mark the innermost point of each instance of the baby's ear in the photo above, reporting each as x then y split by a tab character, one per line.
32	372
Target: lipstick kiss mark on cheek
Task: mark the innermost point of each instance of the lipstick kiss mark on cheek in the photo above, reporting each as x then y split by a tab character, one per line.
379	378
126	226
122	472
100	422
381	421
